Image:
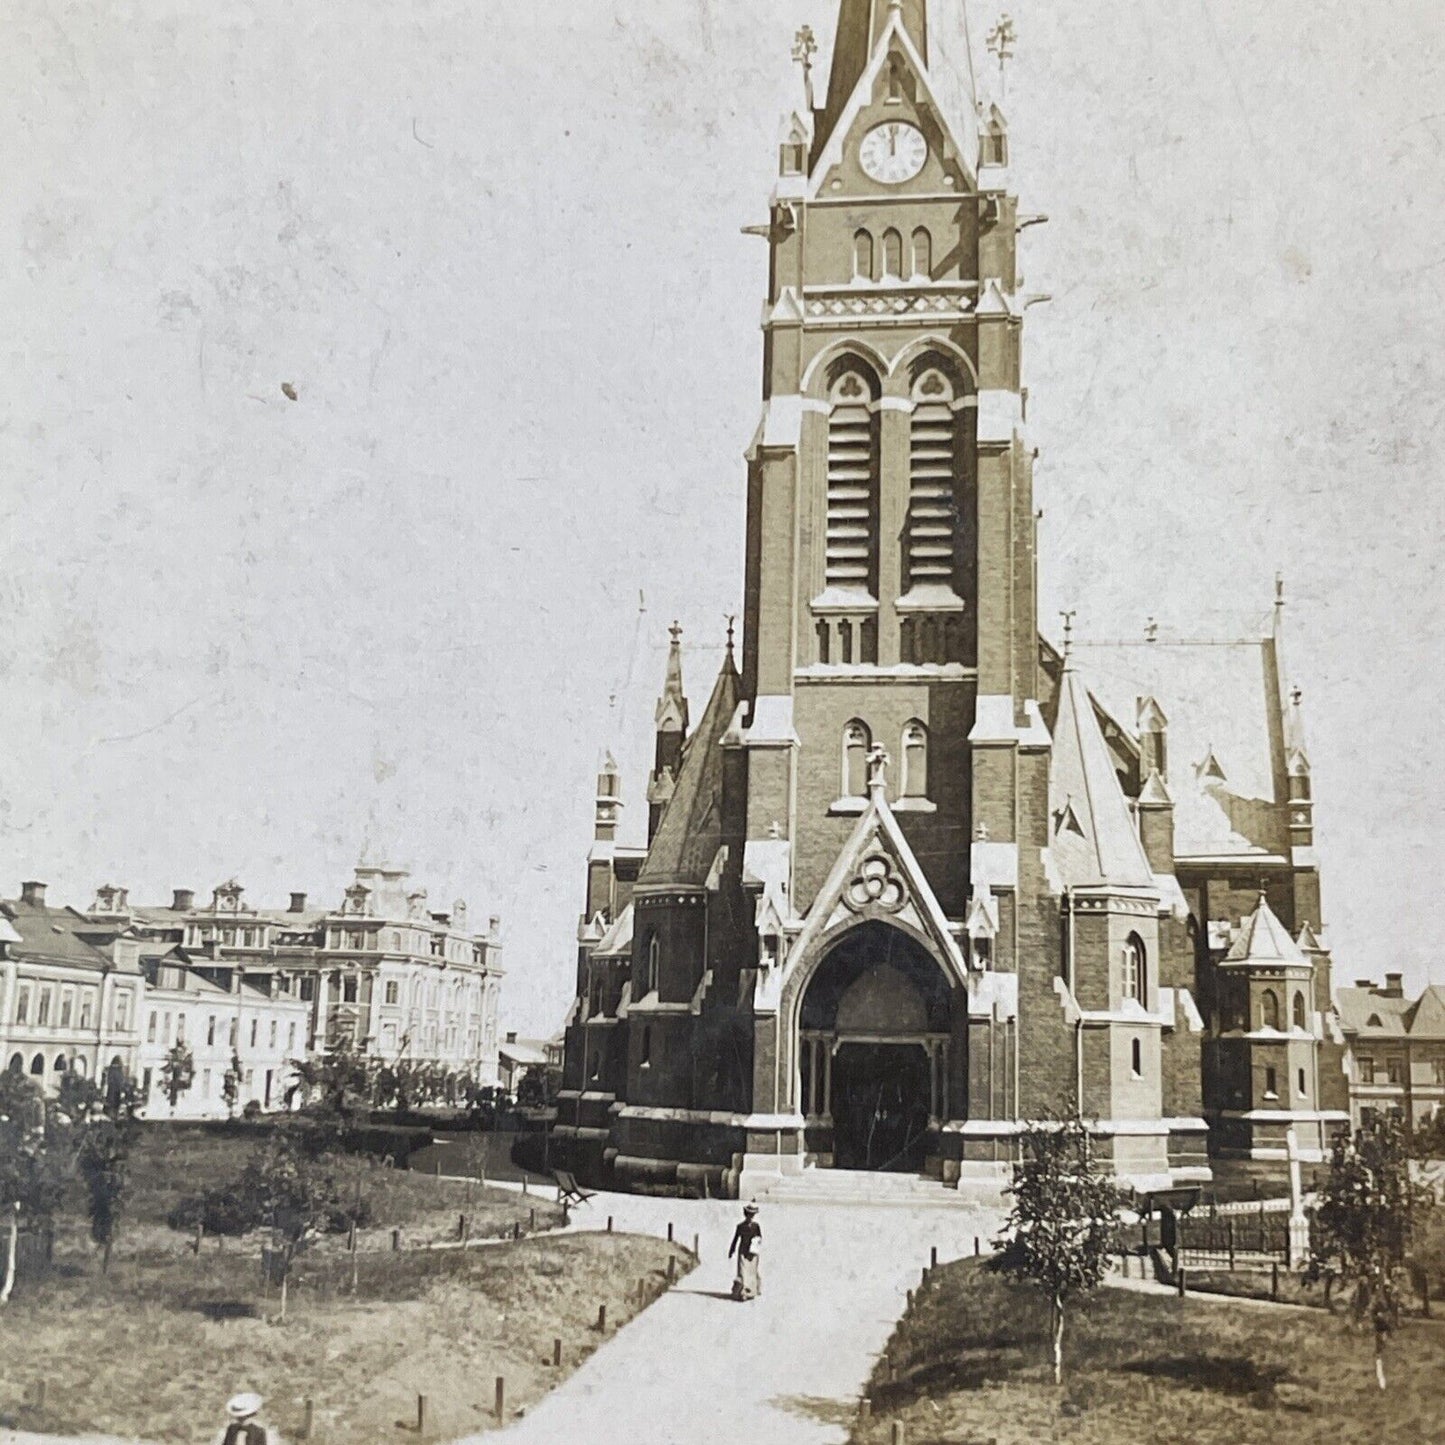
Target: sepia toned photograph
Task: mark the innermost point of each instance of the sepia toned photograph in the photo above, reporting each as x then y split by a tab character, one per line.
717	722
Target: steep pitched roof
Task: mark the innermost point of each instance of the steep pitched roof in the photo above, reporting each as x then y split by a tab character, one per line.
1094	840
1372	1015
1428	1015
933	38
1225	736
690	831
1262	938
55	935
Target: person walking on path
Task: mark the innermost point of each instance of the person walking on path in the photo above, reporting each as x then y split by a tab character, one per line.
748	1283
244	1428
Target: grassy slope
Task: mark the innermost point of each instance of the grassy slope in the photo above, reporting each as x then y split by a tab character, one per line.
156	1348
169	1163
971	1367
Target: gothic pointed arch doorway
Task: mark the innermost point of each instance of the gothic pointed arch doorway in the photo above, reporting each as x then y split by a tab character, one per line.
873	1047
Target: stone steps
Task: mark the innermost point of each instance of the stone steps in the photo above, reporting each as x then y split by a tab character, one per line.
850	1186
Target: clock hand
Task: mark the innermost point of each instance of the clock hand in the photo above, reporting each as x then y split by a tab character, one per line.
892	140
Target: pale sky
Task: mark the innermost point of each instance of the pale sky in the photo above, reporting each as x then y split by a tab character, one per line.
495	249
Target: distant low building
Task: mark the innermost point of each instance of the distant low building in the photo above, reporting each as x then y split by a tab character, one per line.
1395	1051
65	1004
516	1055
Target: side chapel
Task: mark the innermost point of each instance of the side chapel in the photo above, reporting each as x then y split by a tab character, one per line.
915	876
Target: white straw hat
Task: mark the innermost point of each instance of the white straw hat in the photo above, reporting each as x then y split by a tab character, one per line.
243	1406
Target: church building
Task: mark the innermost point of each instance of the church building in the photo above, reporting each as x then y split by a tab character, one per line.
915	876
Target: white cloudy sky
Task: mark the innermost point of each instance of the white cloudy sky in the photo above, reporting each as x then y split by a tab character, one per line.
494	248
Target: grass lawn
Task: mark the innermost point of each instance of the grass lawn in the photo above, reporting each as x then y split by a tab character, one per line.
172	1161
970	1363
156	1348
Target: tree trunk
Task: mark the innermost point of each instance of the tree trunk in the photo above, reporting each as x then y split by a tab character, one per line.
1380	1359
105	1257
1056	1323
285	1275
10	1251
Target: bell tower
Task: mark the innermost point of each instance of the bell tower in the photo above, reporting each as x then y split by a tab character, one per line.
890	561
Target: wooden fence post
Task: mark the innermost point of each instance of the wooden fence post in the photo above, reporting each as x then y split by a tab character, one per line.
1274	1279
396	1239
501	1398
696	1241
531	1219
900	1434
602	1319
865	1407
609	1224
421	1414
977	1247
669	1231
1229	1238
308	1417
1179	1282
556	1352
933	1257
672	1269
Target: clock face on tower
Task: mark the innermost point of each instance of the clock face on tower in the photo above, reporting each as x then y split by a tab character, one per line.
893	152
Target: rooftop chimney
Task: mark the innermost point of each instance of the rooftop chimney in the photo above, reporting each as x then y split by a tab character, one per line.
1394	985
494	923
511	1036
33	893
298	903
183	900
1365	983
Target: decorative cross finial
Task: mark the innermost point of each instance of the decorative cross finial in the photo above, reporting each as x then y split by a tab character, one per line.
1069	631
675	632
1151	631
1001	40
877	765
805	47
1279	589
732	621
1296	694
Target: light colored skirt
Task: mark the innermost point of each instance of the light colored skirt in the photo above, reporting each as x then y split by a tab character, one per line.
749	1281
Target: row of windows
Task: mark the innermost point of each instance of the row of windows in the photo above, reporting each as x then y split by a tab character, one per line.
913	774
45	1007
37	1065
158	1030
893	254
1392	1070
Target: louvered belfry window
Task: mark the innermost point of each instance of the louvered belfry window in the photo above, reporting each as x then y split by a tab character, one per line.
932	463
852	486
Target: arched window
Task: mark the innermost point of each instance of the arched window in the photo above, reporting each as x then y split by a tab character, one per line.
17	1064
595	1072
645	1052
1136	970
857	741
1269	1009
1300	1087
1271	1084
1136	1059
852	530
923	254
37	1065
915	761
654	951
862	256
932	464
892	254
59	1065
1301	1021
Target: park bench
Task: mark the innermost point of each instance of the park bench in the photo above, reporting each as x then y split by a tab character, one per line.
568	1190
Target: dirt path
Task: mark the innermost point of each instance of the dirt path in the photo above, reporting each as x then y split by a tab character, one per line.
786	1369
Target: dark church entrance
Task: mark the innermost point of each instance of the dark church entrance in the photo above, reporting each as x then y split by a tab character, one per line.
880	1107
873	1052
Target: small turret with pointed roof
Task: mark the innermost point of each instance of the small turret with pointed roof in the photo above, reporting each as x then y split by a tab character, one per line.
609	800
1264	939
671	721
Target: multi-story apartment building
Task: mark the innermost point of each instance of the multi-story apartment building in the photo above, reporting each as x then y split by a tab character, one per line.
242	1032
1395	1050
399	979
65	1003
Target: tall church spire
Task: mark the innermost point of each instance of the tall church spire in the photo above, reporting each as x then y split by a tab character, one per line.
672	719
